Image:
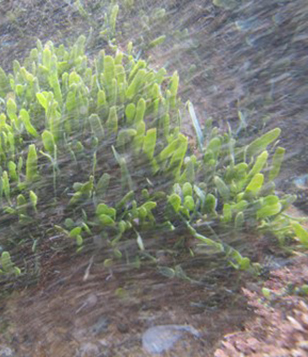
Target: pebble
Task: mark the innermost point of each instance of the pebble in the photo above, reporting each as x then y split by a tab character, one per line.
301	181
88	350
89	303
6	351
247	24
159	339
100	326
123	328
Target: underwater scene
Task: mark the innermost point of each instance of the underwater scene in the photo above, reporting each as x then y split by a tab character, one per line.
153	178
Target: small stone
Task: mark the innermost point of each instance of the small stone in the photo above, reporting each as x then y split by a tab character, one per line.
253	343
6	351
303	345
159	339
298	353
220	353
302	306
100	326
88	350
295	324
230	348
123	328
89	303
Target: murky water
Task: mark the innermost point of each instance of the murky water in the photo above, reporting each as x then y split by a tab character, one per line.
241	63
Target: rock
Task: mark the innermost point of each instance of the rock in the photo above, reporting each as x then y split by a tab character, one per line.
301	181
159	339
6	351
100	326
88	349
123	328
89	303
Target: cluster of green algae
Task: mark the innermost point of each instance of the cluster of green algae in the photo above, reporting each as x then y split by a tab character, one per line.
102	138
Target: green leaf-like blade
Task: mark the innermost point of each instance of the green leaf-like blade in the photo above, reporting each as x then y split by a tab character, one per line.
261	143
48	142
196	125
134	87
112	122
222	188
31	164
149	143
259	164
276	163
175	201
301	233
25	118
255	184
102	208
